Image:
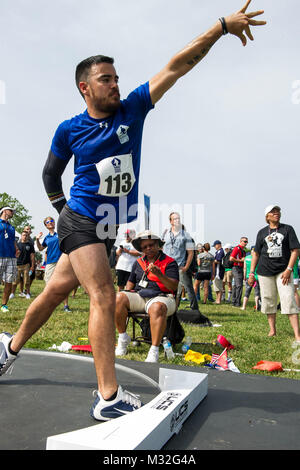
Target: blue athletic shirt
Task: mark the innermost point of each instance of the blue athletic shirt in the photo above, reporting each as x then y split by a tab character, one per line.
53	251
107	156
7	240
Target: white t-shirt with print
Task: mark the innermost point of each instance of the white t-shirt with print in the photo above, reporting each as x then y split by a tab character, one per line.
126	260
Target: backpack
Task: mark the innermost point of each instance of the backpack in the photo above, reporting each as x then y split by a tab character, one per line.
194	317
193	267
174	331
226	261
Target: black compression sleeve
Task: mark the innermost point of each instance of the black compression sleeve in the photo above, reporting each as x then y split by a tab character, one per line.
52	173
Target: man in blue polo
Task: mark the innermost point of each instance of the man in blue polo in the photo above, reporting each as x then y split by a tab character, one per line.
51	243
8	254
106	143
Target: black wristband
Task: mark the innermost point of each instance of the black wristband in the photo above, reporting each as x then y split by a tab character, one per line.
59	205
224	26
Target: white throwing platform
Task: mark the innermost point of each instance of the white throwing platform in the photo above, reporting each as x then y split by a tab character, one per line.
147	428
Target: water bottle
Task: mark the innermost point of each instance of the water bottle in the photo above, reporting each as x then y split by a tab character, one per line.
186	345
168	348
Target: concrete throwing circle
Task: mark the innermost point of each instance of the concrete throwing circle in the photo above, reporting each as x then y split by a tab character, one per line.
50	393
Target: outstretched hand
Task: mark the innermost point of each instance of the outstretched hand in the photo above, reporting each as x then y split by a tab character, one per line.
240	22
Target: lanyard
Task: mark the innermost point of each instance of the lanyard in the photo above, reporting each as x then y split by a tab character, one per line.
172	238
147	267
5	228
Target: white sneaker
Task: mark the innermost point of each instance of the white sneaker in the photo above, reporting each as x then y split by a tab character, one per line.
12	296
121	348
22	294
28	296
6	358
124	403
153	356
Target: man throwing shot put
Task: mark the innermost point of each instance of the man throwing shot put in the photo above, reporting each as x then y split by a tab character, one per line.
106	143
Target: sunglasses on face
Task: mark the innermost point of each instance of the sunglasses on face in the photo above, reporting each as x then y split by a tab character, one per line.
49	221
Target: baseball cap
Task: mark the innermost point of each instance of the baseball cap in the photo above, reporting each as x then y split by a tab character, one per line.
6	208
130	231
217	242
270	208
227	246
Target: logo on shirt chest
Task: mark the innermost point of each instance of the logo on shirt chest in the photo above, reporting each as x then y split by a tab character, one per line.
122	133
103	125
116	163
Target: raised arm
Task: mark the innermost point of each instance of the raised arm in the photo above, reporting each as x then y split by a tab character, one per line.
195	51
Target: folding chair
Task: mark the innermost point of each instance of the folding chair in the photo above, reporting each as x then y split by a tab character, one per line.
137	319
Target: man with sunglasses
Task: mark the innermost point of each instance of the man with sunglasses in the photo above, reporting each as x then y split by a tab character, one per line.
51	243
238	257
151	289
106	142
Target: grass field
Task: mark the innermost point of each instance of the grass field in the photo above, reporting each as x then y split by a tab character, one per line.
247	331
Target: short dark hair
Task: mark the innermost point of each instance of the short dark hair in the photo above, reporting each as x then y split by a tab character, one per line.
83	68
173	213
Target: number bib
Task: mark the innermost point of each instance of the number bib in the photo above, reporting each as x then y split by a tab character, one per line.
116	175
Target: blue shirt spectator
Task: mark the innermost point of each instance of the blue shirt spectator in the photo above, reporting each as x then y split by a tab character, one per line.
7	240
52	244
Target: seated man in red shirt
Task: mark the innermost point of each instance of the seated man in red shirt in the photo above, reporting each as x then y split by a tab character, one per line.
237	257
151	289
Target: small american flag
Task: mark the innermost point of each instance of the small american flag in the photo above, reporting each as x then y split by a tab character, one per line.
220	360
214	358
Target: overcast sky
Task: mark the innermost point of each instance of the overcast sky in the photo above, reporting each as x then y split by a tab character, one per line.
223	142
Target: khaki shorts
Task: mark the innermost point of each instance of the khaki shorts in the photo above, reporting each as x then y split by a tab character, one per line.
142	304
49	270
23	270
270	288
8	270
218	285
227	276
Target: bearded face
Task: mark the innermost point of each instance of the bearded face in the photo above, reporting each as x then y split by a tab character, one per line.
101	89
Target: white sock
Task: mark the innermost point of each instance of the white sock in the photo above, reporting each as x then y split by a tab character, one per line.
123	336
155	348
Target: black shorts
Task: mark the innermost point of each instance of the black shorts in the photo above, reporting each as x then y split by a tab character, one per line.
75	230
203	276
122	277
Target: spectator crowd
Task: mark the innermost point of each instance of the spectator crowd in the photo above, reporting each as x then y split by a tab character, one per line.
151	271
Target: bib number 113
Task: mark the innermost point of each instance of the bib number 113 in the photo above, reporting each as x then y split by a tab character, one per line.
119	183
116	176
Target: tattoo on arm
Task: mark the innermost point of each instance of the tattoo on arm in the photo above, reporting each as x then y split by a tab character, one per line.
200	56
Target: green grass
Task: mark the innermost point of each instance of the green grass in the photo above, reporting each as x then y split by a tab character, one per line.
247	330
